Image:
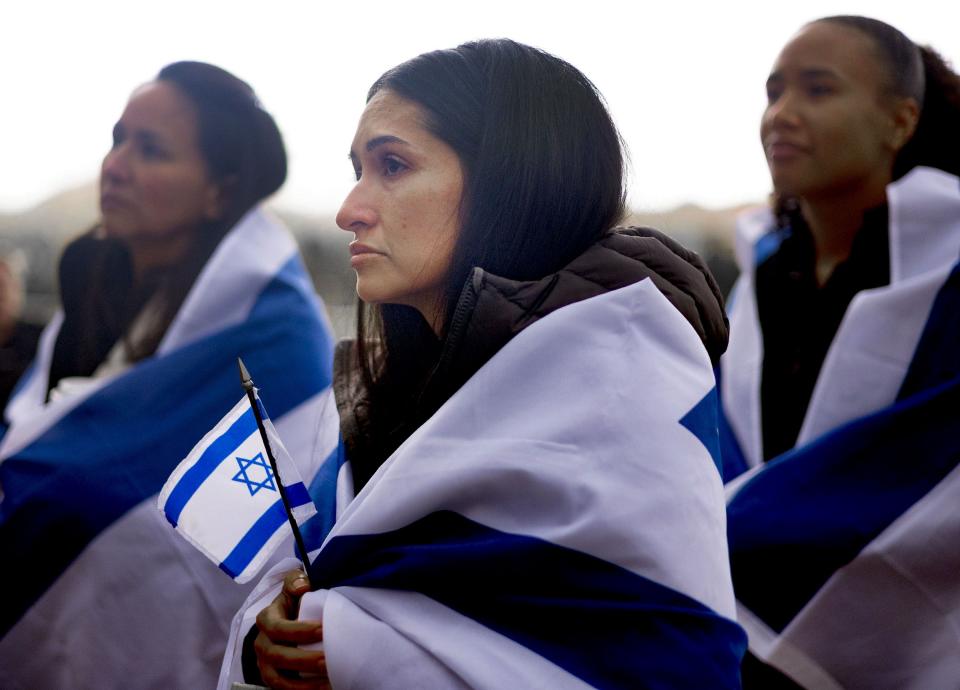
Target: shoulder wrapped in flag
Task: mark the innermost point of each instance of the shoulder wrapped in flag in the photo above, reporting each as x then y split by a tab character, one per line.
559	523
844	549
100	592
225	499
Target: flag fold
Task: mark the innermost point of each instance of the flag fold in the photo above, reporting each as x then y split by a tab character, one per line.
559	522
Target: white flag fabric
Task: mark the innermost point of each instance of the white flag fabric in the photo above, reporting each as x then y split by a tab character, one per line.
844	549
559	523
225	499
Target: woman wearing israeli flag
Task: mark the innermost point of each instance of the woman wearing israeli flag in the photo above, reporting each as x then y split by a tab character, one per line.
183	274
841	386
529	411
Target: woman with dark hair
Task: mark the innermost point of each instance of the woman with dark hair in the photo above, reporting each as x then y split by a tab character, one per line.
841	386
528	411
165	207
183	274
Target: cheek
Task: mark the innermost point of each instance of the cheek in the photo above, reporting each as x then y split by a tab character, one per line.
175	195
445	224
422	229
843	126
878	129
857	140
421	221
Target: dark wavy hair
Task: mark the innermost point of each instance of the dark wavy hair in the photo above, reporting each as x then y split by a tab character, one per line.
244	154
543	170
238	139
917	72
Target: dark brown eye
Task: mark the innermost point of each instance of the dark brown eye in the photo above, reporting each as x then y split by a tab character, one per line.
393	166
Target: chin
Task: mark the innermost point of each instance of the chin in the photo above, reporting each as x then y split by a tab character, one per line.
111	226
789	183
787	186
368	294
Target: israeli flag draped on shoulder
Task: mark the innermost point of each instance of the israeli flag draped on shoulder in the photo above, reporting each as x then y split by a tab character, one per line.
841	548
559	523
226	499
79	529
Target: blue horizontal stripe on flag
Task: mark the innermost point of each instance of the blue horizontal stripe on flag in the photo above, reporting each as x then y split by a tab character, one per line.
122	443
602	623
210	460
812	510
261	531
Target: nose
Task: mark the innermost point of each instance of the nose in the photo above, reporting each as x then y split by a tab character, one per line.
358	210
781	113
115	167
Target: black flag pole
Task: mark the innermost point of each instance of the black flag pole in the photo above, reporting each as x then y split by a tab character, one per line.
251	395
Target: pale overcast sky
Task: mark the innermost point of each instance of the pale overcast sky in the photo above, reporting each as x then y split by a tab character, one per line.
684	80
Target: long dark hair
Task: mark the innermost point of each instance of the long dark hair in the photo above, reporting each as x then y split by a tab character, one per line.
244	154
543	171
917	72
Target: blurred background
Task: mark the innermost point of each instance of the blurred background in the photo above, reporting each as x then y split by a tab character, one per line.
683	80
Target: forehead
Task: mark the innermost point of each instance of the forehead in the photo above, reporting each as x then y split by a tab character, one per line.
388	114
160	107
824	46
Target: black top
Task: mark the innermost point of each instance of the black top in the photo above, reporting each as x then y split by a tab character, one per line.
99	300
799	319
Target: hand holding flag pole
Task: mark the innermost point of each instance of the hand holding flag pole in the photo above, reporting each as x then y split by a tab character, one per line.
254	403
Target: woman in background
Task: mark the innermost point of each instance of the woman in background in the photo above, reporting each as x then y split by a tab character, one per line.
183	274
841	385
528	410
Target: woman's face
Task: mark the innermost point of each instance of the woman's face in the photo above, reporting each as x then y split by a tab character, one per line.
829	127
155	189
404	210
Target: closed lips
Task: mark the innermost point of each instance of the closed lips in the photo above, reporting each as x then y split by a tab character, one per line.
778	148
111	199
356	249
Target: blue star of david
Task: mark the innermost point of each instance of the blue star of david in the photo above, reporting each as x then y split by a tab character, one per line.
251	465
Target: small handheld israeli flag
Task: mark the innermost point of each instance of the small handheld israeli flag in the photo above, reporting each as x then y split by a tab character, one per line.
226	497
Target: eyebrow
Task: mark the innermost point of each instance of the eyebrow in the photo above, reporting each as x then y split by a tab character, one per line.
376	142
147	135
809	73
817	73
385	139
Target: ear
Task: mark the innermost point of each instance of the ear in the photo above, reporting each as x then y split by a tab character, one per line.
905	116
217	198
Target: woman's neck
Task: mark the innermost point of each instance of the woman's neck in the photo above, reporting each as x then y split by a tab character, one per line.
153	254
834	222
